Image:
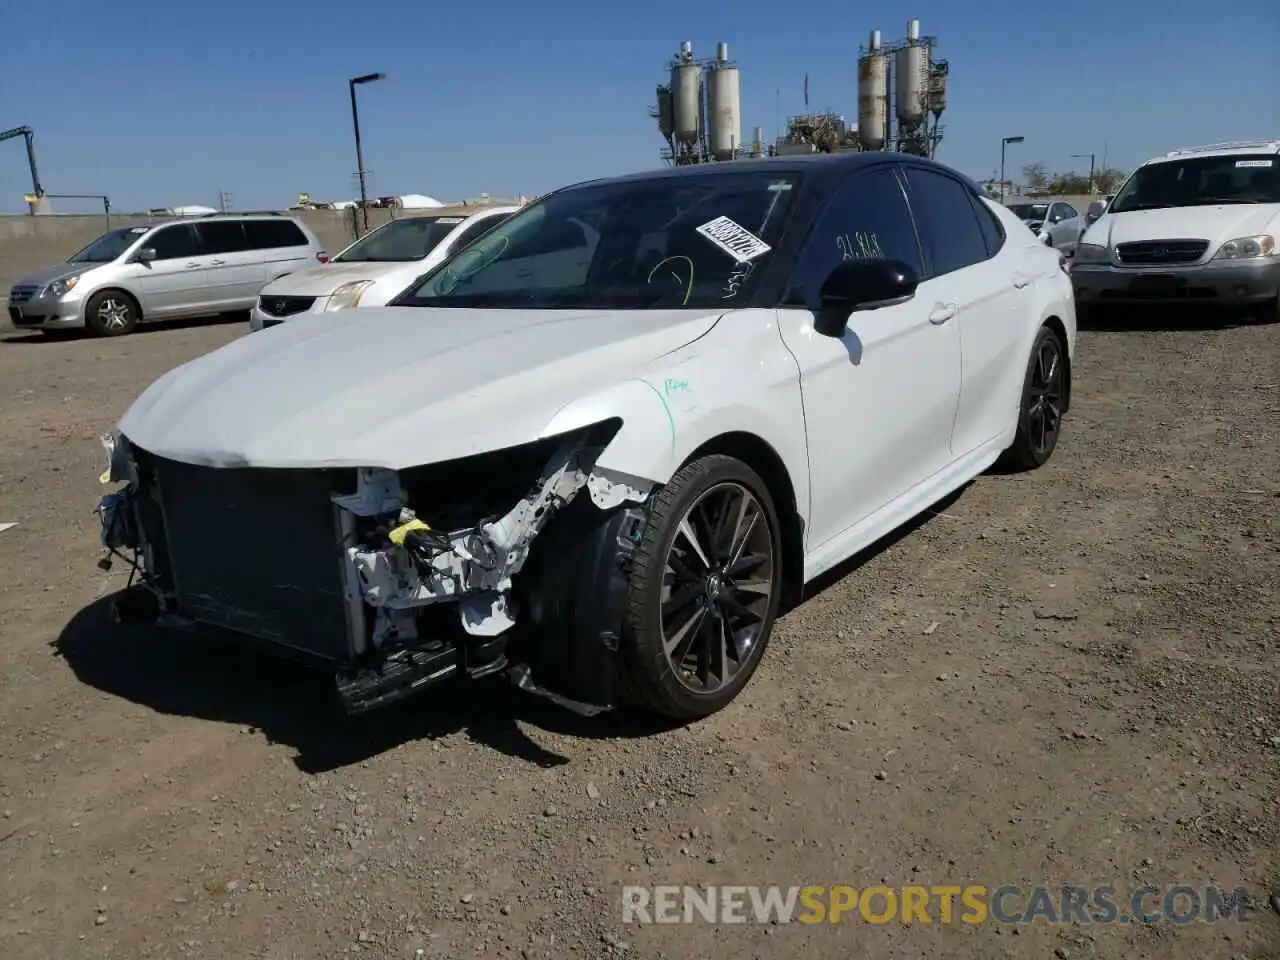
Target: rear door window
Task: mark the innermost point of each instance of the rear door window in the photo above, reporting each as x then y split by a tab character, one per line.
223	236
949	229
268	234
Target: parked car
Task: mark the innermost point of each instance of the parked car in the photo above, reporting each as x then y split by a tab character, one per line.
1197	225
375	268
189	268
598	449
1055	222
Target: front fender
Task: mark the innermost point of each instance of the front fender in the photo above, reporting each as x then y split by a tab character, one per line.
689	400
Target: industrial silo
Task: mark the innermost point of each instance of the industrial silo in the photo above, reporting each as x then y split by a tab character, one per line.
912	78
666	115
724	109
686	97
938	88
873	96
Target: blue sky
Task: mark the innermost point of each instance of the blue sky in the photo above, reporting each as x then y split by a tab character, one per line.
159	104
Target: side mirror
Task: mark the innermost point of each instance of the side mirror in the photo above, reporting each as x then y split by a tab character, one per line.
145	255
856	285
1096	210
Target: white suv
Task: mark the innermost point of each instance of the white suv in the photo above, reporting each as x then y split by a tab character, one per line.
375	268
1197	225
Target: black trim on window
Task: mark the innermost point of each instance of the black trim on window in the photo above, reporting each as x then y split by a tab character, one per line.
992	229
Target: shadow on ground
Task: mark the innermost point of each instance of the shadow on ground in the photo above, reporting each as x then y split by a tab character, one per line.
211	677
847	567
10	334
192	674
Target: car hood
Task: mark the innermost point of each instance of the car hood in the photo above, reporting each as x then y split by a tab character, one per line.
323	280
395	386
1217	224
49	274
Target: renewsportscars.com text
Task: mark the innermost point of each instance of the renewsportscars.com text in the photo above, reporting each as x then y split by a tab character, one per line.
945	904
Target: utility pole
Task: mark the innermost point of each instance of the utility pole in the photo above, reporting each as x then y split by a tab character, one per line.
224	200
1090	157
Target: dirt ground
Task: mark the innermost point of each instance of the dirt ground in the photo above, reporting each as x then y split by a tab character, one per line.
1068	677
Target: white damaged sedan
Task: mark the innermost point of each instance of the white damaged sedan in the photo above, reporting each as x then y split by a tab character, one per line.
602	448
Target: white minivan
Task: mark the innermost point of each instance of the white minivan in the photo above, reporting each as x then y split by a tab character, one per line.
1195	226
375	268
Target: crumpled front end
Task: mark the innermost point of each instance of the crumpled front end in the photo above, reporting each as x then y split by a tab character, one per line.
392	579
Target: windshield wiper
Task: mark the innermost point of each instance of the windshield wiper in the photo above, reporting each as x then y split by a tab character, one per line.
1205	201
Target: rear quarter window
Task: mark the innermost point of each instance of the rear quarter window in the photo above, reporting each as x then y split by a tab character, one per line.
992	229
266	234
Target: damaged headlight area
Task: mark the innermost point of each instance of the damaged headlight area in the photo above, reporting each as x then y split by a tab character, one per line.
512	560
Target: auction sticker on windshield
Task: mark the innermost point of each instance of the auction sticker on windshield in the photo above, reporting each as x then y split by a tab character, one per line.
1253	163
734	239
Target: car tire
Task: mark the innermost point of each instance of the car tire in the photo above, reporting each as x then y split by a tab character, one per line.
111	313
694	630
1044	394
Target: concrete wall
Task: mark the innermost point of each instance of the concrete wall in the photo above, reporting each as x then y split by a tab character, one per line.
28	243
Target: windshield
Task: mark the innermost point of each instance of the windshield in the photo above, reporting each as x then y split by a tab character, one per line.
400	240
1200	181
1031	211
109	246
675	241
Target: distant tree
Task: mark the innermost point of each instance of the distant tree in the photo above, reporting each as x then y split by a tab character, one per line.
1108	179
1036	177
1069	182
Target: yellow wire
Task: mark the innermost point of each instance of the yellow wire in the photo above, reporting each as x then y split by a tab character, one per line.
688	287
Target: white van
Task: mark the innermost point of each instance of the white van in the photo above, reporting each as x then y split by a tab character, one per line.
1198	225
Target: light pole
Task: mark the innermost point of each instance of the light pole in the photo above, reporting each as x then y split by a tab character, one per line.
1004	144
355	122
1089	157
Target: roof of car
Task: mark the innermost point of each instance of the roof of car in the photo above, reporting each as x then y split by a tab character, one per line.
250	215
1221	149
836	163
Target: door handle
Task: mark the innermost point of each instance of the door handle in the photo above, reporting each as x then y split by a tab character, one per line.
1020	280
217	263
193	266
942	313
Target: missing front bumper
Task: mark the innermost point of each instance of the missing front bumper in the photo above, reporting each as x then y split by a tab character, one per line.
335	569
